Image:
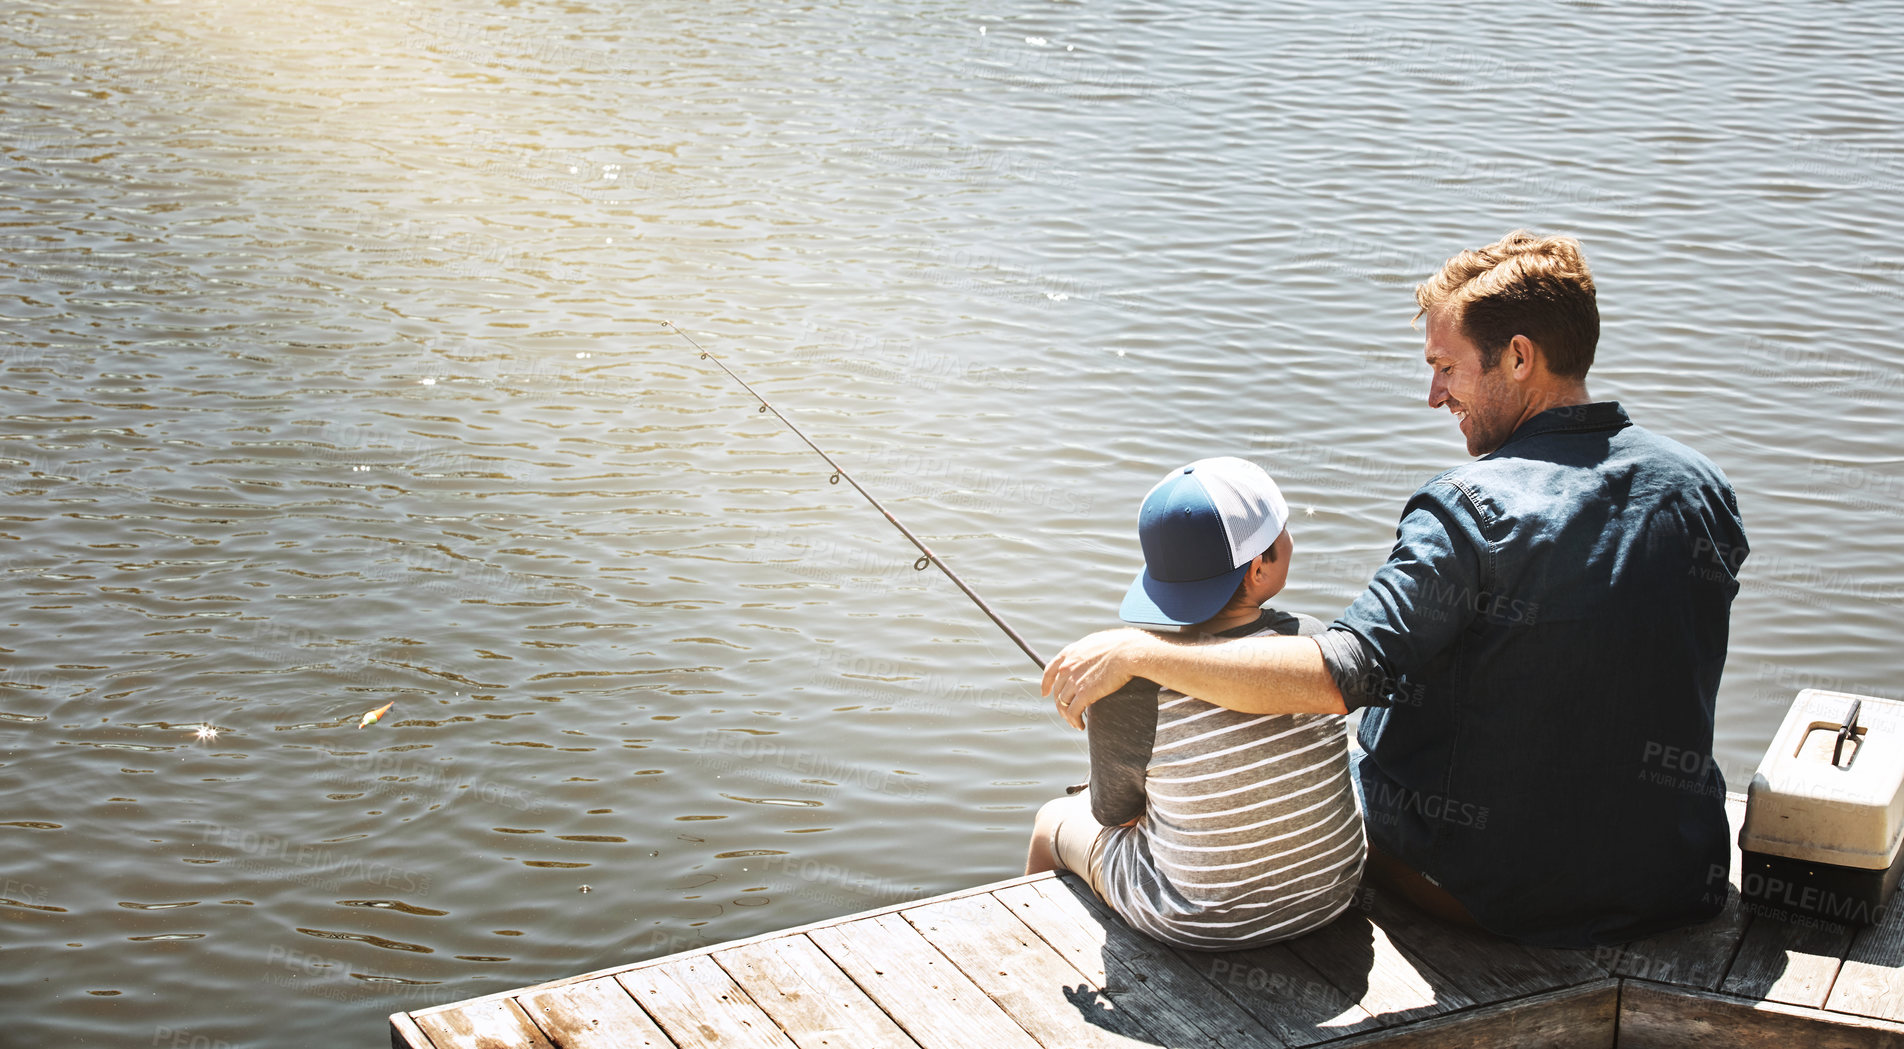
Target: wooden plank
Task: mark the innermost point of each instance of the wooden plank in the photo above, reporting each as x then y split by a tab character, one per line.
815	1003
1582	1017
498	1024
1696	956
700	1007
1568	966
1871	980
1655	1017
1359	958
1188	1013
1793	962
1081	942
981	967
1285	995
405	1034
1485	967
1049	997
1272	985
598	1014
774	934
917	986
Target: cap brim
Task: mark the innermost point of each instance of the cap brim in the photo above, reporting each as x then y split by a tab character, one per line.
1154	602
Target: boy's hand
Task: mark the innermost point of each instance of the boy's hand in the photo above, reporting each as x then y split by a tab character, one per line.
1088	670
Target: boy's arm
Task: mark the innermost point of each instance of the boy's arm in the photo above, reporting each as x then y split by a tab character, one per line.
1122	731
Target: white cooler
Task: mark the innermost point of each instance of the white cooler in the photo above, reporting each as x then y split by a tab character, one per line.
1824	818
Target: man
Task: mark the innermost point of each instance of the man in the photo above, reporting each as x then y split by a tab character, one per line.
1552	619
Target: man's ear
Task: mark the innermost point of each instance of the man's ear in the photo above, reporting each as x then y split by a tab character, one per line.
1521	356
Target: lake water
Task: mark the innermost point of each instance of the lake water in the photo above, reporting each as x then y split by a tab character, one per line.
335	376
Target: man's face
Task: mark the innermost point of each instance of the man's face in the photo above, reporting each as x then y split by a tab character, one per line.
1484	401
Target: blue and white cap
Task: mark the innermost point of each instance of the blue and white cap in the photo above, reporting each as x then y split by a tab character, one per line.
1200	527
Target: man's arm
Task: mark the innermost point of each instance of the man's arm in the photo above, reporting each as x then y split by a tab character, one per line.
1416	606
1272	674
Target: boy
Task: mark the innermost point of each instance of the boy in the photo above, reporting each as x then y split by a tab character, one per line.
1204	827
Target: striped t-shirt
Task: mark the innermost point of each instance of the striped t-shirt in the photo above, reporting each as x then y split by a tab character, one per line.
1249	831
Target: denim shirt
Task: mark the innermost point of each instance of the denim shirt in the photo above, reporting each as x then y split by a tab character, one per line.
1552	625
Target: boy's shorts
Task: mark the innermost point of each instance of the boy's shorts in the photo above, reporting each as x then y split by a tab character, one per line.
1079	840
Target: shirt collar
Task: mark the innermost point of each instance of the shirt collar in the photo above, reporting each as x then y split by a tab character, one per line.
1574	418
1248	628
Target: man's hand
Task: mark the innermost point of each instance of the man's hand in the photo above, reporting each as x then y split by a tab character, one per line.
1090	669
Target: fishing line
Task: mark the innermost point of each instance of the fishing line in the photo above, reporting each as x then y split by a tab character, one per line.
839	472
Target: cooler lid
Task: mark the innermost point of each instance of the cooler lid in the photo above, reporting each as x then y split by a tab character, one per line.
1805	805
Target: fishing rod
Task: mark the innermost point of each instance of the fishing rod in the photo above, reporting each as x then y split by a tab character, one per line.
839	471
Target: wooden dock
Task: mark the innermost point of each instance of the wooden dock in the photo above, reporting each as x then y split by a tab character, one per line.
1038	963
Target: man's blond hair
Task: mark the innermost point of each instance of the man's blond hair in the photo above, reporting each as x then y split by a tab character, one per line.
1526	285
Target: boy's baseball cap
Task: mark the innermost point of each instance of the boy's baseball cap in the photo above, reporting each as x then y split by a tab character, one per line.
1200	527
